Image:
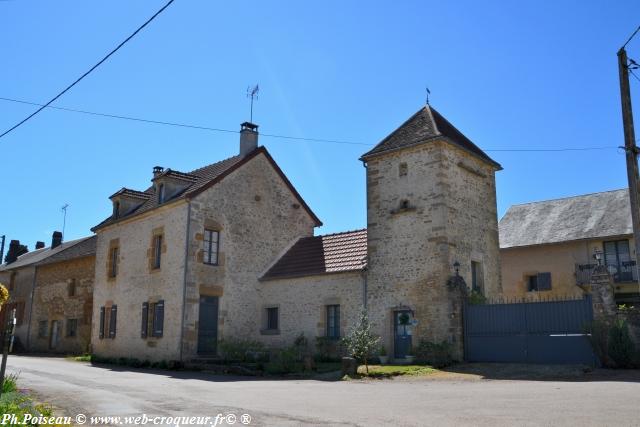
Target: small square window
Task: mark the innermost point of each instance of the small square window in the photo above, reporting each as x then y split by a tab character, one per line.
43	329
72	288
211	245
157	251
272	318
403	169
333	322
72	327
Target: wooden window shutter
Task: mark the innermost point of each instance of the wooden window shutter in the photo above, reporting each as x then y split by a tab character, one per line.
112	321
544	281
158	319
101	333
145	319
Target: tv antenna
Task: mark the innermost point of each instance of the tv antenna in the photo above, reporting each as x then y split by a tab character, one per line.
252	92
64	217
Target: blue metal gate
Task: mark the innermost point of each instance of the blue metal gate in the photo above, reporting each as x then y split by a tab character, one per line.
529	332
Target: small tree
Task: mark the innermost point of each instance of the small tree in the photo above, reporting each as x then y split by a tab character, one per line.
4	294
360	342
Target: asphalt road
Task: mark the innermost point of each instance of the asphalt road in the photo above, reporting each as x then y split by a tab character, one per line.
79	388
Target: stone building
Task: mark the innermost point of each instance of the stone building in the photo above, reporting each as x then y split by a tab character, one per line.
51	289
547	248
228	252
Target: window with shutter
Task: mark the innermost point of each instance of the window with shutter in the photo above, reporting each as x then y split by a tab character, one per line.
101	331
211	244
333	321
145	320
544	281
158	319
112	321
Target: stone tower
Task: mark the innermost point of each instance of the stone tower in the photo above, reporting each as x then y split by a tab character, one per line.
431	202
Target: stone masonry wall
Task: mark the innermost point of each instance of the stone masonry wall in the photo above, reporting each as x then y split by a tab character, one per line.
258	219
425	212
52	302
136	283
302	305
20	287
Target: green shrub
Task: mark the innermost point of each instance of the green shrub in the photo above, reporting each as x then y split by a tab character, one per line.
237	350
476	297
436	355
328	350
284	361
620	347
361	342
10	383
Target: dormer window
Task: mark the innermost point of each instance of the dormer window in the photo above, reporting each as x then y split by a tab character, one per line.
116	209
160	193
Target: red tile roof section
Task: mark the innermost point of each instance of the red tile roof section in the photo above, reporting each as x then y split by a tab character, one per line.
331	253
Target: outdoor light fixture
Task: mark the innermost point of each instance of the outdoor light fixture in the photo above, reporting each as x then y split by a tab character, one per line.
456	265
597	255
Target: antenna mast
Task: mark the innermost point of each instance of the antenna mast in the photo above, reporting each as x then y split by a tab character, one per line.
252	92
64	218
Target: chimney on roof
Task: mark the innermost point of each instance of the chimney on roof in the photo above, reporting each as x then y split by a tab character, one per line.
248	138
56	239
12	253
39	245
157	170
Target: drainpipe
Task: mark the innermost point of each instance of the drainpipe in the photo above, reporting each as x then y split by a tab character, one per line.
33	292
364	287
184	285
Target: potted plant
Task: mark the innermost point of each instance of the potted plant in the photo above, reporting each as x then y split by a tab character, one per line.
384	359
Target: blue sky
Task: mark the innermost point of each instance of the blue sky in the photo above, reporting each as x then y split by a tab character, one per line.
510	75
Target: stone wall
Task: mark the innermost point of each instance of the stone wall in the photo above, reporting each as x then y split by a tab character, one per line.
302	305
19	283
258	219
428	206
136	283
53	302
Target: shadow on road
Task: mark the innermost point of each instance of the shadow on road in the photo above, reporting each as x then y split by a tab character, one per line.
530	372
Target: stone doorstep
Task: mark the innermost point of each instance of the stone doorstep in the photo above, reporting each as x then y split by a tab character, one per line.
403	361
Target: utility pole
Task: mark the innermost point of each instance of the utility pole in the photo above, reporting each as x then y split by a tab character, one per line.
2	248
631	151
7	337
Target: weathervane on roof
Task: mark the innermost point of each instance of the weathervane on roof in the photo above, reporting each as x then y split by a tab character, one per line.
252	92
64	217
428	93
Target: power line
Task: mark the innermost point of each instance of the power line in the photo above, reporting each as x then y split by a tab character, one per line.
90	70
288	137
634	74
632	36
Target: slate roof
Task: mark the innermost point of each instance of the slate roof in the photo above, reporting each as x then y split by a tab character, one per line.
201	179
588	216
331	253
424	126
66	251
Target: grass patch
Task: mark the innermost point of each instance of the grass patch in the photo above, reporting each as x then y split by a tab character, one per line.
388	371
22	406
82	358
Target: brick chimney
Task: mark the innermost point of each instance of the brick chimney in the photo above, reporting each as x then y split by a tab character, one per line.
56	239
248	138
12	253
157	170
39	245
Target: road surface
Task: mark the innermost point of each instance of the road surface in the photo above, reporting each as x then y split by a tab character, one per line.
79	388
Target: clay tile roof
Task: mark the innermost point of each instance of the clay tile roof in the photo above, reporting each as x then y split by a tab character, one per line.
424	126
331	253
66	251
589	216
200	179
127	192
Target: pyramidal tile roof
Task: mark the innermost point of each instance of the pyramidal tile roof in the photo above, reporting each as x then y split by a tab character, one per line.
330	253
424	126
